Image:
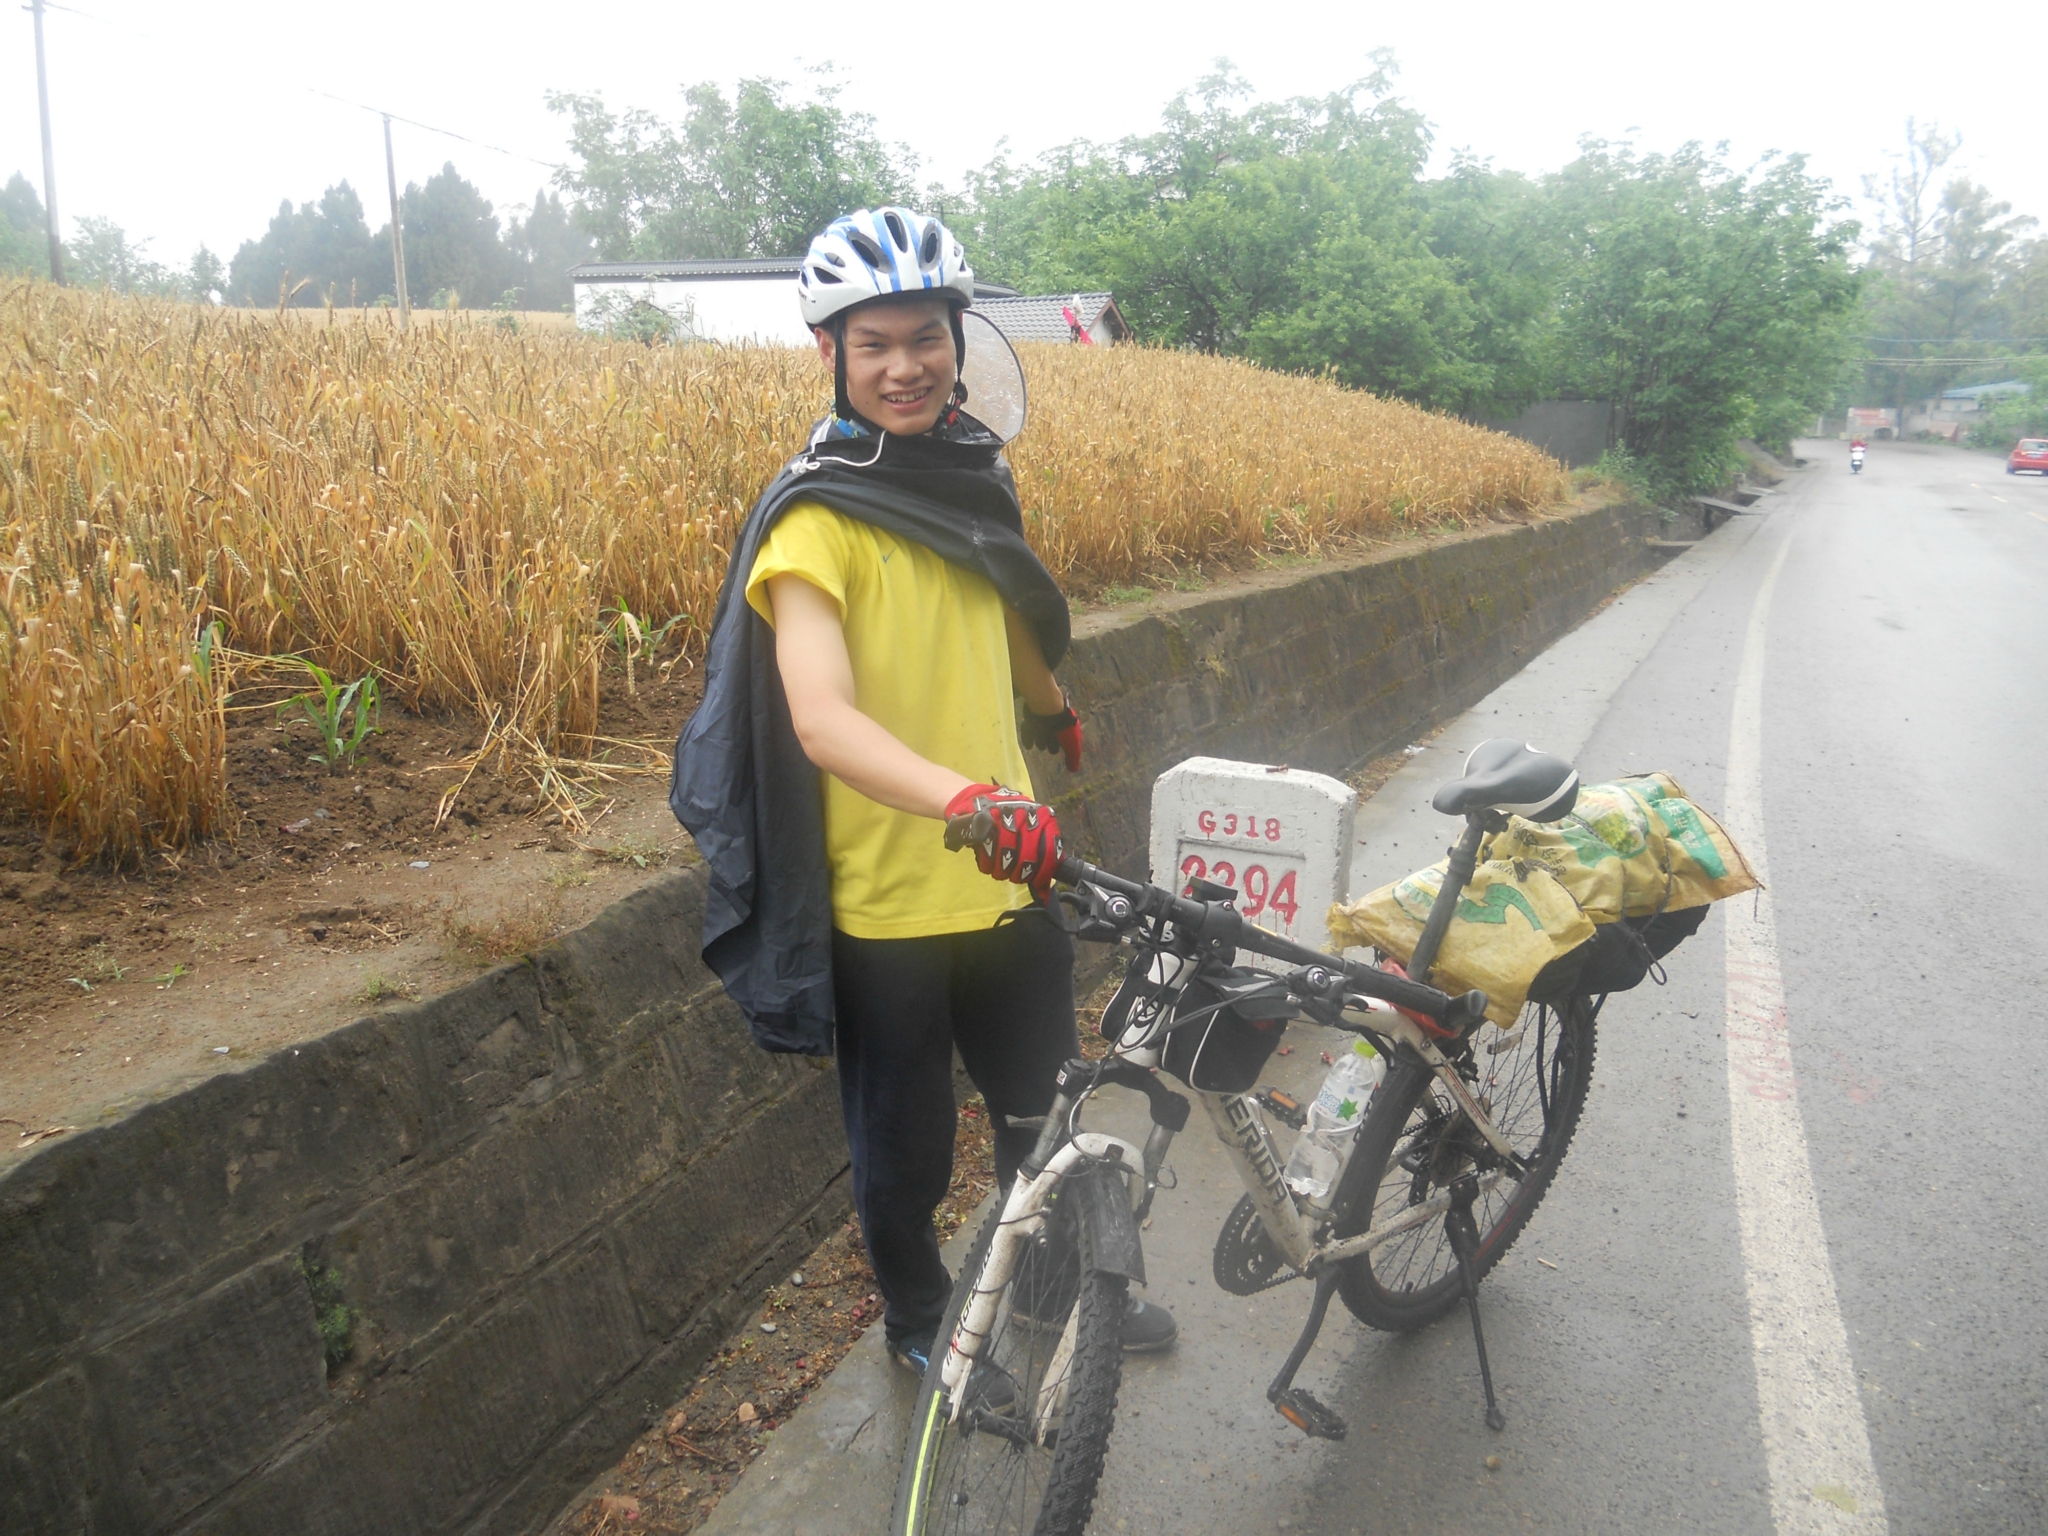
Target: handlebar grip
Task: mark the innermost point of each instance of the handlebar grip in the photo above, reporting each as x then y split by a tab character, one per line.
974	830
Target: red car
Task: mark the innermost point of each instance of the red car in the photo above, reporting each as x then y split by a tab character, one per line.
2030	458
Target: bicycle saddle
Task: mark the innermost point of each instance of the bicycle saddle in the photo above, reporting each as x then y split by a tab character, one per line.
1507	776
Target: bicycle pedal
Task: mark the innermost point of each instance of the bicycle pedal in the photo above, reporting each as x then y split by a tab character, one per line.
1284	1107
1298	1407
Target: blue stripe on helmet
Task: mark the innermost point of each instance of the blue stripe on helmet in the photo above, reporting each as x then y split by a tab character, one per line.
887	242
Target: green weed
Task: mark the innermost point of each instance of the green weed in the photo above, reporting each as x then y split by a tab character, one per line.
335	1320
345	715
632	636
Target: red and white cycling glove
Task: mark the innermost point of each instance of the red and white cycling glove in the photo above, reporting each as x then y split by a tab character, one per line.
1059	733
1014	838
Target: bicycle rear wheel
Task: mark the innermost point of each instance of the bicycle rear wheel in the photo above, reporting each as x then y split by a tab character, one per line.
1414	1145
1024	1454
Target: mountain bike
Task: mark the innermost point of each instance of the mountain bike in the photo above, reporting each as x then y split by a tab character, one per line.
1457	1148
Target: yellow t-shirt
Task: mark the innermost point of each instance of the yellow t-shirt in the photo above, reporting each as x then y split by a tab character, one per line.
931	665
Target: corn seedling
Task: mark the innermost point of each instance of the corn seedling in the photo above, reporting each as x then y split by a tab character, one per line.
345	715
631	637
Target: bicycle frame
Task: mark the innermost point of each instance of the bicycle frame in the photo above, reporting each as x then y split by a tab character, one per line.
1242	1130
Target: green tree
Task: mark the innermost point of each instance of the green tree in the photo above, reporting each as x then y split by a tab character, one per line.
206	278
325	245
544	246
1491	229
452	245
754	176
102	256
1706	302
24	238
1293	233
1952	277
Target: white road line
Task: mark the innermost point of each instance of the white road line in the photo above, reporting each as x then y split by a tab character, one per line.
1816	1445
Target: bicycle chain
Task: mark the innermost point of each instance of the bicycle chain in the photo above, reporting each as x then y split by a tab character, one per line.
1246	1262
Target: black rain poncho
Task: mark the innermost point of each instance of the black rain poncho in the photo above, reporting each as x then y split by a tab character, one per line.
742	784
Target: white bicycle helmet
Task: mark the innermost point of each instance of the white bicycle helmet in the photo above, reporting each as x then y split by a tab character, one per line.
876	252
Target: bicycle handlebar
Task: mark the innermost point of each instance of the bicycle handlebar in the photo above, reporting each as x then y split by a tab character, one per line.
1222	925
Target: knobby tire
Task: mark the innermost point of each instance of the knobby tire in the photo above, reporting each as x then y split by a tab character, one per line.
980	1482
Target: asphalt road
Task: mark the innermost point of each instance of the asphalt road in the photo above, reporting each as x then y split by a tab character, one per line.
1902	716
1903	737
1898	746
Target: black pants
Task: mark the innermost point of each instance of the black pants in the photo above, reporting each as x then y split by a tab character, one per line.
1005	996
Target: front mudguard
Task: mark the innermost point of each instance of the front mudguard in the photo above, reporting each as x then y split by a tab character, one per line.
1104	1207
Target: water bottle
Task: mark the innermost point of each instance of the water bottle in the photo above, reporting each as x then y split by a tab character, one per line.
1325	1143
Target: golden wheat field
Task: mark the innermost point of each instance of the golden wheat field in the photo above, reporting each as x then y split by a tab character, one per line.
463	510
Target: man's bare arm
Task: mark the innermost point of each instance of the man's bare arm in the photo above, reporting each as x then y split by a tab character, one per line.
817	677
1033	678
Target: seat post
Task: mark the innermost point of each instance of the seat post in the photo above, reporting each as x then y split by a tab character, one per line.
1464	862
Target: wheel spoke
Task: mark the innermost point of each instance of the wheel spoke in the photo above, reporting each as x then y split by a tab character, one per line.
1532	1080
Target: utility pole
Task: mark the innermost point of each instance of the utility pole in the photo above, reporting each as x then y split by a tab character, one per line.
397	237
49	154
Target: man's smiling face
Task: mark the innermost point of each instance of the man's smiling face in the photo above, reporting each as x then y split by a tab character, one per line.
900	363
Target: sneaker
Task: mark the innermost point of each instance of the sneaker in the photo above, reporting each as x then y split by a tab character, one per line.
990	1391
1146	1328
913	1352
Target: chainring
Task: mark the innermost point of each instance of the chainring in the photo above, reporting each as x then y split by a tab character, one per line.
1246	1262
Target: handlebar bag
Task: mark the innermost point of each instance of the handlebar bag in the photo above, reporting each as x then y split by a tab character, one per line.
1221	1052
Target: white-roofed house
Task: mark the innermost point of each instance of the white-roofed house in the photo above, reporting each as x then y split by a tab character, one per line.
744	299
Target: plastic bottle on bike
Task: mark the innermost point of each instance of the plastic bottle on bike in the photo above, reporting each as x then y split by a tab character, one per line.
1333	1119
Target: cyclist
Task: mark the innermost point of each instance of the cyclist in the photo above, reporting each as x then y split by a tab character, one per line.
880	615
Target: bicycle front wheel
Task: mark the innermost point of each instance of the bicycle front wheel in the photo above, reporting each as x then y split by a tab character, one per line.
1023	1453
1415	1145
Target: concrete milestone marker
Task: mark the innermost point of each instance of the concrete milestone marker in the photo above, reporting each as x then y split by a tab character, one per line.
1279	837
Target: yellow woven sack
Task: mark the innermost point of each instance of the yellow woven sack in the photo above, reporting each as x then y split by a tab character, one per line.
1514	919
1582	862
1632	849
1704	863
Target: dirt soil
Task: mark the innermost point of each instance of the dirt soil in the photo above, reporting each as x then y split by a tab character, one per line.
336	896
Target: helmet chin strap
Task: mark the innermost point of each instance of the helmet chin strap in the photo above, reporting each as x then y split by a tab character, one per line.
842	406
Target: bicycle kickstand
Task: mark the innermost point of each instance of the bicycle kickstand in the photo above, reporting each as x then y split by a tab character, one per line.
1297	1405
1463	1232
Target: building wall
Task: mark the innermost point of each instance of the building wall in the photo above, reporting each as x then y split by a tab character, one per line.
757	309
1576	431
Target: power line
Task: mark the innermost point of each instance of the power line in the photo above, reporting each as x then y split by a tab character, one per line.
314	90
1949	341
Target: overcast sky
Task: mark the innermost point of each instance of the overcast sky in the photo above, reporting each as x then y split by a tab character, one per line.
187	120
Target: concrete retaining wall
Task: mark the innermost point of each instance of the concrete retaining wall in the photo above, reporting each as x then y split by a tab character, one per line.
545	1197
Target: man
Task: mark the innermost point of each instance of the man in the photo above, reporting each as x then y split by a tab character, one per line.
881	616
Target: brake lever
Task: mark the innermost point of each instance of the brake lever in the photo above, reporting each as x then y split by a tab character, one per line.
1090	914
